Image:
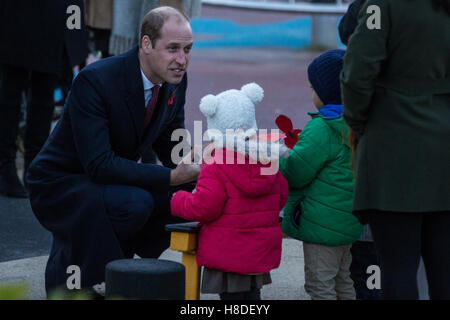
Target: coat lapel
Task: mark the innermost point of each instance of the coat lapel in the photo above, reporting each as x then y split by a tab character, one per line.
135	99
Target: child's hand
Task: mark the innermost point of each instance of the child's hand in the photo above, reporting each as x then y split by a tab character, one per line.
284	150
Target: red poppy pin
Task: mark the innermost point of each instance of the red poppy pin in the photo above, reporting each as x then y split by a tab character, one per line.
285	125
170	101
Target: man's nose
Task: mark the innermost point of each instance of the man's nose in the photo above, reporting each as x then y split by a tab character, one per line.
182	58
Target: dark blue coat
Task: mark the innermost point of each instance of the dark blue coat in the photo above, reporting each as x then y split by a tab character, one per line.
98	141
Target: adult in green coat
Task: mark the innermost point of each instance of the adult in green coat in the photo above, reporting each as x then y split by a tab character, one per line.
396	96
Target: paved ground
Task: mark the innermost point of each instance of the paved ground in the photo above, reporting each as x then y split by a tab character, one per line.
287	279
21	235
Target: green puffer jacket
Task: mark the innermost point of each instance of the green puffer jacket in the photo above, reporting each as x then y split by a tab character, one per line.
321	183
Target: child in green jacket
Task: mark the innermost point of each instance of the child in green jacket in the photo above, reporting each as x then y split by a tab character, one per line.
319	208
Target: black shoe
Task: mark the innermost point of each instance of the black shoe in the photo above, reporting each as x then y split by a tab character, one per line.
10	184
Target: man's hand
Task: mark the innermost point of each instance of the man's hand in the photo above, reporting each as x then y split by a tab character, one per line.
186	171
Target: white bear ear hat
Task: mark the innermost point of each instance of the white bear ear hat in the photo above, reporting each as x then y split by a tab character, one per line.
232	109
235	110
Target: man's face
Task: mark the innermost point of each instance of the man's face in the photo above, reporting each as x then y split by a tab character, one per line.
169	59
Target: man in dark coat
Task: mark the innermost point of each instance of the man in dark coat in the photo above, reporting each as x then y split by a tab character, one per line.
34	40
92	184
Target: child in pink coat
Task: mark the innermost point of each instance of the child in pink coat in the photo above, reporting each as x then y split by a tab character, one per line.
237	200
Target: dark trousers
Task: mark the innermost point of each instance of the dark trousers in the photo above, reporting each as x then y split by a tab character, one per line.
400	240
363	256
139	218
39	111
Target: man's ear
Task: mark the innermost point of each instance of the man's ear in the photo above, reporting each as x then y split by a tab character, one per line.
146	43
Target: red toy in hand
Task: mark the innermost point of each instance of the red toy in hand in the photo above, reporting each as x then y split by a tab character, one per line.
285	125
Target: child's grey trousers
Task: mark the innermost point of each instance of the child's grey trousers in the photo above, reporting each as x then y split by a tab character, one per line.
327	272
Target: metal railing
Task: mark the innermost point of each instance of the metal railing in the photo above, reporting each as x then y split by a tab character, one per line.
339	7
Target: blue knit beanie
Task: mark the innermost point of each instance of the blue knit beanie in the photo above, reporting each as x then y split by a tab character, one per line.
323	73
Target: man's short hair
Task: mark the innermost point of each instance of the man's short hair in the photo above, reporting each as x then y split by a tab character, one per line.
154	20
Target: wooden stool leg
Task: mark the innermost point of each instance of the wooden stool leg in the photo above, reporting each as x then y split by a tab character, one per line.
188	259
186	243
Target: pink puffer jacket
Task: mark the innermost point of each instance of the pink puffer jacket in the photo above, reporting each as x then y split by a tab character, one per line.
238	209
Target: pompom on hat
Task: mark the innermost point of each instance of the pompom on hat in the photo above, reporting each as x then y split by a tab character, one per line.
323	74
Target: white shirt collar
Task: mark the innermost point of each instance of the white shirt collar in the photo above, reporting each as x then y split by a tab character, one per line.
146	83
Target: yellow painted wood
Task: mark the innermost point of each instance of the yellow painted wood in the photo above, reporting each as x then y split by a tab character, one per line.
187	244
183	241
188	259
